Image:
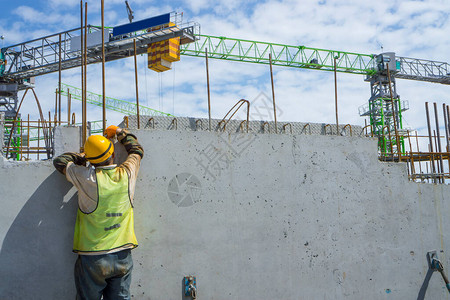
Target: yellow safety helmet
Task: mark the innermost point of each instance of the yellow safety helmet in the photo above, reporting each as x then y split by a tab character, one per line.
98	149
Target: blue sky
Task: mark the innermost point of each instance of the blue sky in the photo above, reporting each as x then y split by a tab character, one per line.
418	29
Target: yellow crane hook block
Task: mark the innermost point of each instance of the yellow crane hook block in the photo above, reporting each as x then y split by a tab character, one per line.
162	54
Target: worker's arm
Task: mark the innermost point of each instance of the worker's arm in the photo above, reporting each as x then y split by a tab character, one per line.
128	139
130	142
63	160
135	154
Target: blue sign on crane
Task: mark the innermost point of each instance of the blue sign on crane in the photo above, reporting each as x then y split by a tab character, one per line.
141	25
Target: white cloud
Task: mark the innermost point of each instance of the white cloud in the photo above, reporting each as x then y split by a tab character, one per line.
409	28
33	18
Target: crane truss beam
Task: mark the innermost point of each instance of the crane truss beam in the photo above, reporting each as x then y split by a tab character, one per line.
41	56
313	58
125	107
423	70
282	55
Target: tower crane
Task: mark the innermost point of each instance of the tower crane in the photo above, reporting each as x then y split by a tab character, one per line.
383	111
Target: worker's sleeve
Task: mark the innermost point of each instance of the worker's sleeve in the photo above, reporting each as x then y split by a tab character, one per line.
133	161
63	160
130	142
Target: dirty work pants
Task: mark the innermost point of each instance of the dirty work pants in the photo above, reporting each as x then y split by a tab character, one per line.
108	275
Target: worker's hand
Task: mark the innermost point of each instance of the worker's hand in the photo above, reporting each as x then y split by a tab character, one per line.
111	131
82	159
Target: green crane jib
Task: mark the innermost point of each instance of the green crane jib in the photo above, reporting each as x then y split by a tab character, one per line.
282	55
122	106
314	58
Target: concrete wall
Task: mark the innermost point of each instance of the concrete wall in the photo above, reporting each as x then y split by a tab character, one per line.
252	216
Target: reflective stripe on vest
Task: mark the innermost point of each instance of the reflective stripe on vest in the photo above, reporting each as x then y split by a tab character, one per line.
111	224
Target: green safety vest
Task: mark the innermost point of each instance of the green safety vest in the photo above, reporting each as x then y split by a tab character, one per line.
111	224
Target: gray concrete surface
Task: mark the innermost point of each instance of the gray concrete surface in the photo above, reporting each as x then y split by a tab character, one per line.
66	139
252	216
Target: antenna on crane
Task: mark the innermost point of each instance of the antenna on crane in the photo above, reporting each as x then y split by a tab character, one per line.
130	12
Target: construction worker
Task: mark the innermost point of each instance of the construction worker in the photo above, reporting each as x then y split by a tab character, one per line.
104	228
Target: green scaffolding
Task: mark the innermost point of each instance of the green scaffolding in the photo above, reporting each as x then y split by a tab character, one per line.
16	140
382	121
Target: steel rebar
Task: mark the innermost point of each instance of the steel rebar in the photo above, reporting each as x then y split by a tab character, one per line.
438	138
207	86
433	169
336	97
445	123
56	101
103	69
69	104
433	154
448	122
83	128
59	81
85	72
420	163
39	135
136	82
273	94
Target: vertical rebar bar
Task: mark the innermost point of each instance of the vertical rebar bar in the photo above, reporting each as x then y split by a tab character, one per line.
39	136
438	174
69	103
433	169
103	68
392	146
413	169
56	101
85	71
336	96
445	124
448	123
420	162
47	138
137	90
273	94
83	132
28	138
439	149
365	125
408	171
207	86
59	81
